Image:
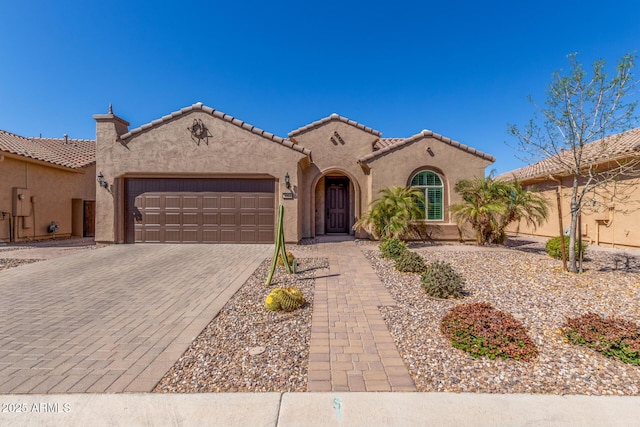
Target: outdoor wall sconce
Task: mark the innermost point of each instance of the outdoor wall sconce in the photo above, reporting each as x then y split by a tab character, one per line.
430	151
287	181
103	182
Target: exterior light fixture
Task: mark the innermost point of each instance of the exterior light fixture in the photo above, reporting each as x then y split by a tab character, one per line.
103	182
287	181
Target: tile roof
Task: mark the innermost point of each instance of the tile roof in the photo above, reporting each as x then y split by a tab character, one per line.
219	114
385	142
389	144
71	153
609	148
332	117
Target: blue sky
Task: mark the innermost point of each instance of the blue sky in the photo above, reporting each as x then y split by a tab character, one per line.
462	69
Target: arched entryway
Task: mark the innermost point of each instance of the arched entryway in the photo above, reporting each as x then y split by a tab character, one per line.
335	203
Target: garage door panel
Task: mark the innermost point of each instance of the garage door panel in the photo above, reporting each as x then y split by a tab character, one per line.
191	235
172	218
151	218
185	210
210	202
248	219
227	219
190	202
172	202
266	219
265	202
191	218
248	236
249	202
172	235
228	202
210	219
152	202
228	236
210	236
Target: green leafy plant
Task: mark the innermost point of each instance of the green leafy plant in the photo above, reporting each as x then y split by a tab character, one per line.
613	337
480	330
392	248
290	258
440	280
391	214
286	299
489	206
554	249
410	262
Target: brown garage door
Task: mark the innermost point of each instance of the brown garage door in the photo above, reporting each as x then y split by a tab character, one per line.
200	210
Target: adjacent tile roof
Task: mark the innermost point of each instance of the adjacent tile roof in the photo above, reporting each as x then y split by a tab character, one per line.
71	153
334	116
389	144
385	142
609	148
219	114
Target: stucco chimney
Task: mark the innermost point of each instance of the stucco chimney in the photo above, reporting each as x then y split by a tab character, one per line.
109	127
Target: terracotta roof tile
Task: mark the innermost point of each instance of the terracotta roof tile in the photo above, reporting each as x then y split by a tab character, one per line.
332	117
390	144
200	106
71	153
385	142
609	148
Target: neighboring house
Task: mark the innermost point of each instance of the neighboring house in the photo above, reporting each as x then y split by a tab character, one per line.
611	213
199	175
47	187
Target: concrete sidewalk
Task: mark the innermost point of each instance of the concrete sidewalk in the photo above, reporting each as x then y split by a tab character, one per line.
317	409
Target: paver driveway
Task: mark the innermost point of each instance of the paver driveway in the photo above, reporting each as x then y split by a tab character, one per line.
112	319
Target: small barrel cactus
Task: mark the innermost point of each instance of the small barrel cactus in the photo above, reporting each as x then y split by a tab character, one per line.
440	280
286	299
290	258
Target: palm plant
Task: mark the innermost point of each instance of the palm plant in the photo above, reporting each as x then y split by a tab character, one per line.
489	206
391	214
522	205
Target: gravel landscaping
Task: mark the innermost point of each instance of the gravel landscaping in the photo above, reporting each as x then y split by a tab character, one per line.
248	348
531	286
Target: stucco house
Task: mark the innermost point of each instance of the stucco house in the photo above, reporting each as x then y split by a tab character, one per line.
200	175
611	213
47	187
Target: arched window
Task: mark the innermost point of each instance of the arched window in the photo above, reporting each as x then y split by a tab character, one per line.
431	184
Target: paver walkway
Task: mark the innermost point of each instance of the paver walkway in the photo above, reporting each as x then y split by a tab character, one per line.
112	319
351	348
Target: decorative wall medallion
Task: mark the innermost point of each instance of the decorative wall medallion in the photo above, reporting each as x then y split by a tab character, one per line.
199	132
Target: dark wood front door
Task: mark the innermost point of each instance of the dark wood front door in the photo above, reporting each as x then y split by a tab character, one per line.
336	199
89	228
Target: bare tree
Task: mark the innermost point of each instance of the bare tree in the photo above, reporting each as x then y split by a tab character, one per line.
578	130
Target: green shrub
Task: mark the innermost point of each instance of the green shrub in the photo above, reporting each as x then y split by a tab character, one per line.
612	336
392	248
481	330
440	280
290	258
410	262
554	249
